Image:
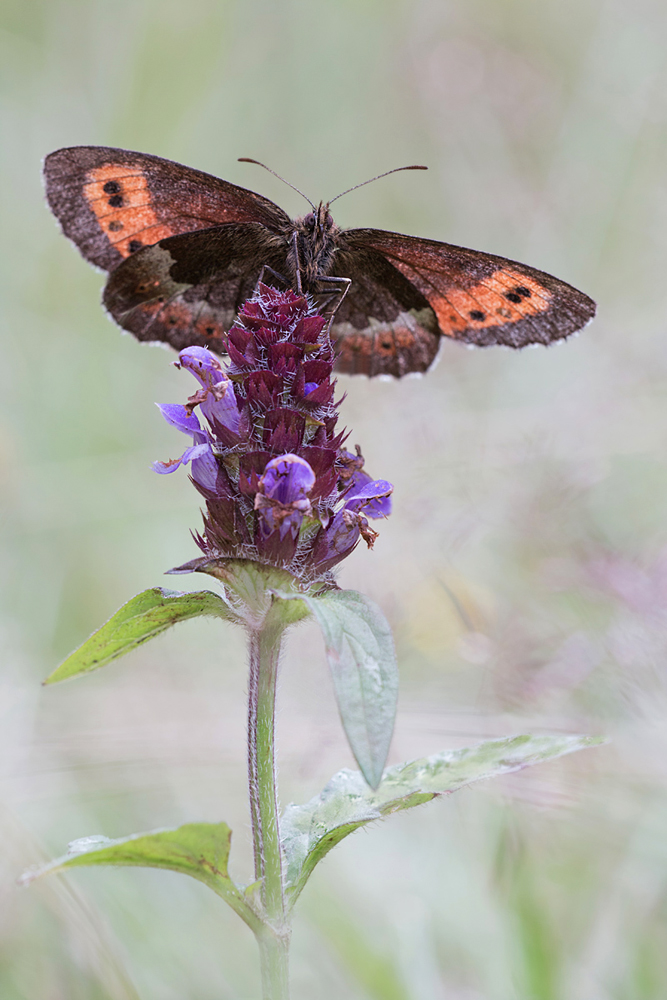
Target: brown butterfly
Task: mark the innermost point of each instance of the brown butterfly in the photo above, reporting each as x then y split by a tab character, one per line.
184	249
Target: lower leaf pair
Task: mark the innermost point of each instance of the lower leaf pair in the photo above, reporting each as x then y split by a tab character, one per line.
311	830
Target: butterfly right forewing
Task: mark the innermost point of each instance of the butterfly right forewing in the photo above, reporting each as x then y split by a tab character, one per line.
408	292
481	298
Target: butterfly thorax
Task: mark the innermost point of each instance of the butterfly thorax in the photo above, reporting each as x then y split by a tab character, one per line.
313	246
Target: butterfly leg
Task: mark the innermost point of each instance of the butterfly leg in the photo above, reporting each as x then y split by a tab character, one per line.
276	275
333	295
297	268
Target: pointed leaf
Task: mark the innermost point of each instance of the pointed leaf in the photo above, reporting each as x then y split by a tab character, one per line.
360	651
310	831
144	617
197	849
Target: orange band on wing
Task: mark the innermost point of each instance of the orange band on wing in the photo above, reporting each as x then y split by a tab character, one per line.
187	316
120	198
506	296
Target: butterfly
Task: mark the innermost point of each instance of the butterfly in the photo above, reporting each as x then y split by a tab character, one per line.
185	249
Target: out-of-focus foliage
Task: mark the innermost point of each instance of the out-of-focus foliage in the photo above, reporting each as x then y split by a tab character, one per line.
524	569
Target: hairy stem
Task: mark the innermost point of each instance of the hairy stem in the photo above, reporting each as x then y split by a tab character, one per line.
274	963
264	650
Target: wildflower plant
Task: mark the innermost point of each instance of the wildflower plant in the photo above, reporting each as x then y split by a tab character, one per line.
285	502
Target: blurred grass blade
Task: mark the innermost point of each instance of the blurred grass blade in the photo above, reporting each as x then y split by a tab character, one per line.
372	963
346	803
197	849
144	617
360	651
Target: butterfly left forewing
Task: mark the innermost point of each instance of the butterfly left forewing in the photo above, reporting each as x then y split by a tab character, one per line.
481	298
112	202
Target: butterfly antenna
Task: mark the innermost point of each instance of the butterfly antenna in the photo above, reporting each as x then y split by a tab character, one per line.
370	181
247	159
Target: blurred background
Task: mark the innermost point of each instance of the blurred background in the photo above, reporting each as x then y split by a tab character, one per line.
524	569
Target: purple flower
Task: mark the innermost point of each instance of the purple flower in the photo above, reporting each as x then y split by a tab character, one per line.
216	398
282	496
350	524
373	496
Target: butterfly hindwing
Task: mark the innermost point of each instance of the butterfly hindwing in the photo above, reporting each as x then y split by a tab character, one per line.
385	325
480	298
186	290
112	202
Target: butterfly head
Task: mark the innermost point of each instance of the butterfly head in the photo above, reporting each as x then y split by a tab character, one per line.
317	224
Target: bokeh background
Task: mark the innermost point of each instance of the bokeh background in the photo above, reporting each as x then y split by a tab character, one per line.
524	569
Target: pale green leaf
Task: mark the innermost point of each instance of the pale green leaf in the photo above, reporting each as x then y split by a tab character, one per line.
200	850
310	831
144	617
361	656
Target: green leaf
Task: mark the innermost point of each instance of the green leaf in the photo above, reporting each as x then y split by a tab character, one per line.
197	849
310	831
145	616
361	656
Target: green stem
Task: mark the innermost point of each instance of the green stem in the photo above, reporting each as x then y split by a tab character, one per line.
264	650
274	964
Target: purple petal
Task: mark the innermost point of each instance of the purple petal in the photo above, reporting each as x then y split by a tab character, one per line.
220	406
205	469
287	479
341	537
204	365
163	468
196	451
374	498
288	522
180	417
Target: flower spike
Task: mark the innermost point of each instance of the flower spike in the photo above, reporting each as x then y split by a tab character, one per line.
279	486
